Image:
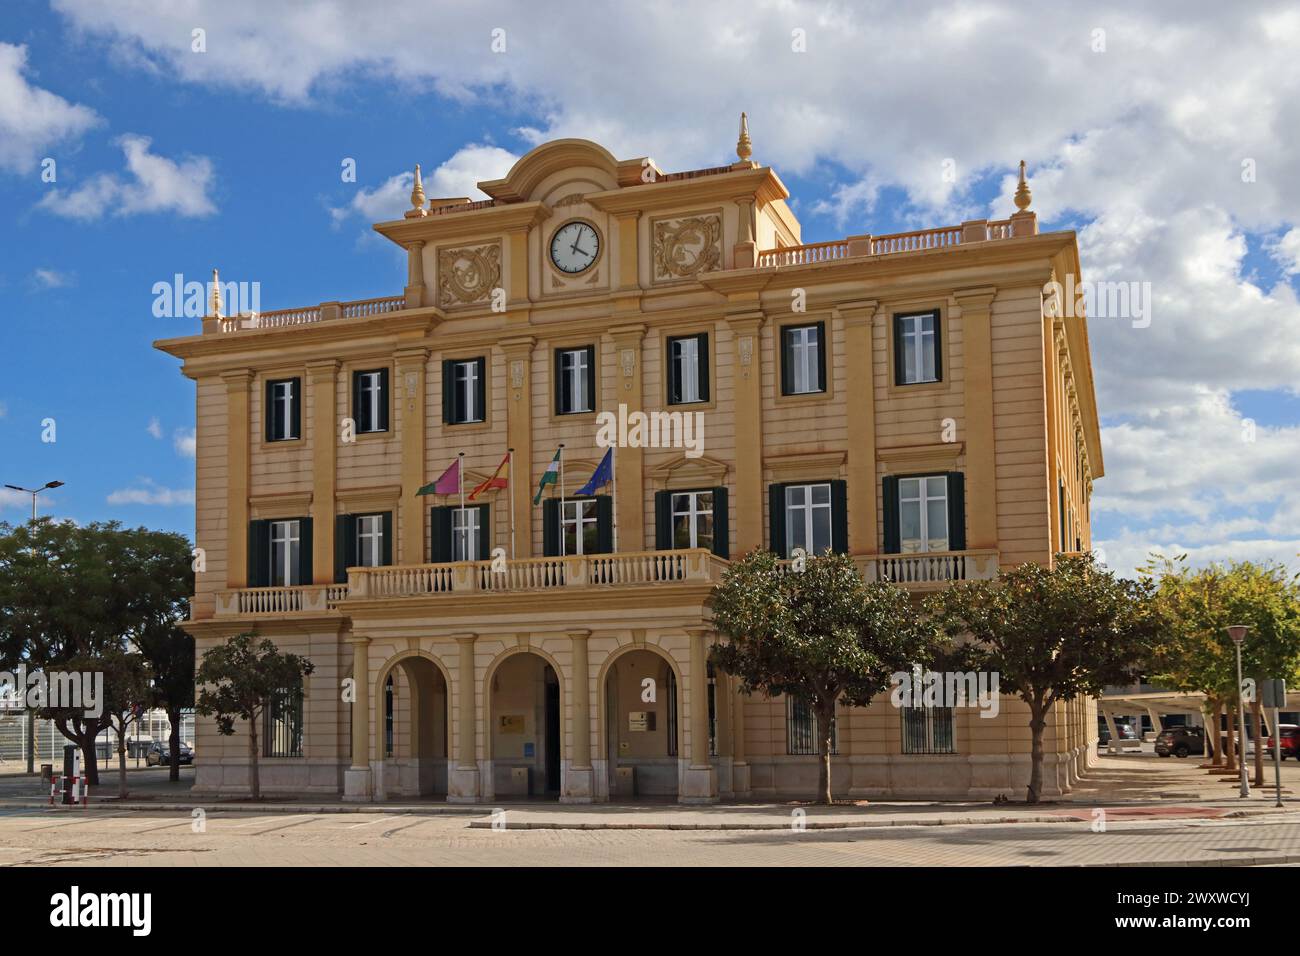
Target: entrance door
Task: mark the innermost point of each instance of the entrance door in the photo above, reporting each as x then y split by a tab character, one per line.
552	733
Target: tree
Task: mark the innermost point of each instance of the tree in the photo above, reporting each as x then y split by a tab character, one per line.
83	593
128	689
824	635
1051	634
240	680
170	652
1195	652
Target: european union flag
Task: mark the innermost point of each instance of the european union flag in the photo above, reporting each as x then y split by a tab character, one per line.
603	475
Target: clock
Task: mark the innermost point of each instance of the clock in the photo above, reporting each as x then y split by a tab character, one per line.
575	247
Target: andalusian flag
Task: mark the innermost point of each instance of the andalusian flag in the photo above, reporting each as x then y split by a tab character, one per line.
551	476
499	480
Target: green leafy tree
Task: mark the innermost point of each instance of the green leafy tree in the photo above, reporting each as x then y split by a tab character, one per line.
128	689
822	634
240	680
1051	634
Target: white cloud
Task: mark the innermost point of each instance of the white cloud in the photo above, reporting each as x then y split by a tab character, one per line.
154	427
1285	251
51	279
155	184
184	441
15	499
456	178
33	120
151	493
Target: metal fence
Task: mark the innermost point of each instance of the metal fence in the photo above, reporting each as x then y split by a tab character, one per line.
49	742
801	728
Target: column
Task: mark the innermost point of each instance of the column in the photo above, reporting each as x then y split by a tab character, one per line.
699	782
859	319
415	274
237	452
579	777
519	436
322	380
981	472
357	778
629	472
463	780
739	758
746	329
410	365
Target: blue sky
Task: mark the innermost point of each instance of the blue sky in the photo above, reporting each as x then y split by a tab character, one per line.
170	160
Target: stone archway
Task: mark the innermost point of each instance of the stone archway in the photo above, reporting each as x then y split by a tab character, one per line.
641	723
411	727
525	727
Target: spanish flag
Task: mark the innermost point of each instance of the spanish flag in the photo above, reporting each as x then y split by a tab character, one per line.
501	479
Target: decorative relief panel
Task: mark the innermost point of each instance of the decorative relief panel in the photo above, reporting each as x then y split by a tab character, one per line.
468	274
687	247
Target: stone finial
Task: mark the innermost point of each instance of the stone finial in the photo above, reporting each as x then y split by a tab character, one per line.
744	148
417	197
1023	196
214	297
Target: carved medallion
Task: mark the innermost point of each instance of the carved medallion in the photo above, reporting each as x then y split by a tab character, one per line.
468	274
687	247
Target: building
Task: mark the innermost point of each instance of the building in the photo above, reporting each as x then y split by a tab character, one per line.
917	400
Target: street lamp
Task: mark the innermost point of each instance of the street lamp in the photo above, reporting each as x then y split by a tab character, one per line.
31	714
36	491
1238	634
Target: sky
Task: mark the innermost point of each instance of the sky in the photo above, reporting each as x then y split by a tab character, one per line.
140	140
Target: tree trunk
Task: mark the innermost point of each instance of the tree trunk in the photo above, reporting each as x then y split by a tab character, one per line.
84	738
1231	746
825	725
121	763
253	774
174	743
1259	743
1212	733
1037	723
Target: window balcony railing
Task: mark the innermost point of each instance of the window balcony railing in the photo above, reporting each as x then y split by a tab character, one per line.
292	599
309	315
920	239
927	571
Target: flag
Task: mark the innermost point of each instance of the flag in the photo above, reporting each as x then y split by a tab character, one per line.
447	484
501	479
603	475
550	477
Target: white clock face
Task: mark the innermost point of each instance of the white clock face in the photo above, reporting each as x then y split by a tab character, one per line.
574	247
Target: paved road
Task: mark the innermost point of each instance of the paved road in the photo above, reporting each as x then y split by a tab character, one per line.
103	837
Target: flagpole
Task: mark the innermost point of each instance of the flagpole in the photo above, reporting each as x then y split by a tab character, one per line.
464	518
560	454
510	490
613	477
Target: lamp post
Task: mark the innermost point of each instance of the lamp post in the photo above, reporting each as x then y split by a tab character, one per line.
31	714
1238	634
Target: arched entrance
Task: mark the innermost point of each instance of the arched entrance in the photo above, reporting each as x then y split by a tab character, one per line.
642	726
411	728
524	738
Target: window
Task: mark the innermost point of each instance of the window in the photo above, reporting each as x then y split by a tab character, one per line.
917	357
923	513
460	534
370	541
671	705
370	400
928	730
388	716
808	518
286	542
575	380
688	373
579	526
803	359
282	725
283	415
466	532
464	391
713	709
693	519
801	728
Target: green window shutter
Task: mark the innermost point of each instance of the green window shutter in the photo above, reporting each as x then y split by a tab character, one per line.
295	408
259	554
721	523
386	557
439	535
605	524
704	367
674	374
383	399
480	391
448	394
345	547
956	511
776	518
839	517
900	371
304	551
551	527
938	347
787	363
557	380
663	520
821	356
359	416
889	491
484	532
591	377
268	412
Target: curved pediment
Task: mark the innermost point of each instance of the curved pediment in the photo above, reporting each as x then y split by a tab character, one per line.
681	471
534	168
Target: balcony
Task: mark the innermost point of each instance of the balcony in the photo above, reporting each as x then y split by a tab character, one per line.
307	599
929	571
325	312
978	230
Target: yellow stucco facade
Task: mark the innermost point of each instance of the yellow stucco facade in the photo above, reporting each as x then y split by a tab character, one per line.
482	679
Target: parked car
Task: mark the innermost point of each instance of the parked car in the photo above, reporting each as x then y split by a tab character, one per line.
159	754
1125	731
1290	735
1181	742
